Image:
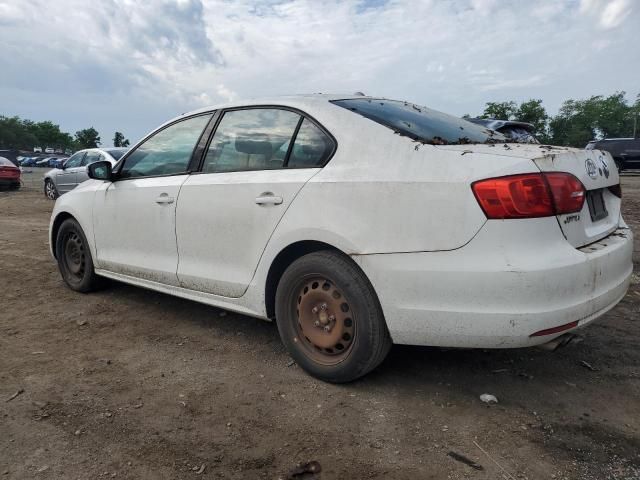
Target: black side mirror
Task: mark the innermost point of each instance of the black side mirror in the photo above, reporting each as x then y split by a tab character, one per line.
99	170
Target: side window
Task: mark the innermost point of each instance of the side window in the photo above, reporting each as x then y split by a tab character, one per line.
90	157
167	152
75	160
251	139
311	148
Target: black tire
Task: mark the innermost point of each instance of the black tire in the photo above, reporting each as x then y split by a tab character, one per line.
619	165
74	258
50	190
358	319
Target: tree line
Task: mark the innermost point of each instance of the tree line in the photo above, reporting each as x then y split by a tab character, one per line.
577	121
23	134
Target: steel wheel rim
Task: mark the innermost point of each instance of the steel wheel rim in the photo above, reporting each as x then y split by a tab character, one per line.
50	190
75	259
324	320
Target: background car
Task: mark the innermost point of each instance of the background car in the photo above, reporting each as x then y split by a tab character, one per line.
48	150
28	161
58	162
518	132
73	170
37	149
625	151
9	174
42	162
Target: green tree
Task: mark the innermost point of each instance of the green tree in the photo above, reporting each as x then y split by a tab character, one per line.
534	113
87	138
579	121
119	140
500	110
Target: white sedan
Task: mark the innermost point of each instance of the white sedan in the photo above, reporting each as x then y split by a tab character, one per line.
356	223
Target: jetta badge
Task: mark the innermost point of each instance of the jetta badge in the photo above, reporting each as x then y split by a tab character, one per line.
592	169
605	167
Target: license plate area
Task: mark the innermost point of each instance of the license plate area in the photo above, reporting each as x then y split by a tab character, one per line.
597	208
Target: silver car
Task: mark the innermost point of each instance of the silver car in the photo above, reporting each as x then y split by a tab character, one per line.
74	170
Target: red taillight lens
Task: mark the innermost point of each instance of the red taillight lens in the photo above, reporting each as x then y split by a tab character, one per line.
529	195
568	192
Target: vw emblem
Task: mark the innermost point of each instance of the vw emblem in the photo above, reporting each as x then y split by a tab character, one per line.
592	169
605	167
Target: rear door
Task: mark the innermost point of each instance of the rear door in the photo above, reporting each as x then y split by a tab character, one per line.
257	162
600	214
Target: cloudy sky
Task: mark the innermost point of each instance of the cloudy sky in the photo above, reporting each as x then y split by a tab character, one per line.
130	65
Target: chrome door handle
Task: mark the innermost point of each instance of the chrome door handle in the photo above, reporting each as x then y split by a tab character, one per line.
164	199
268	198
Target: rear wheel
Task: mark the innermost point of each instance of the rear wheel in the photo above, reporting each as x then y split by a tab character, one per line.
74	258
329	317
50	190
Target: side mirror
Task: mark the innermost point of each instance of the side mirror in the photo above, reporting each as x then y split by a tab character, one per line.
99	170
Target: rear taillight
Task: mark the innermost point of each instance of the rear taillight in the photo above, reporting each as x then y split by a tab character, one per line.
568	192
529	195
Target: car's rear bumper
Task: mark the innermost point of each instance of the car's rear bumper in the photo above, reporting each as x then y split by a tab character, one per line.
515	278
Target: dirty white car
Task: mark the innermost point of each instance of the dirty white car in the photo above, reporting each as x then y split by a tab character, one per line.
356	223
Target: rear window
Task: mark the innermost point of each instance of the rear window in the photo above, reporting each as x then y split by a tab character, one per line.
421	123
6	162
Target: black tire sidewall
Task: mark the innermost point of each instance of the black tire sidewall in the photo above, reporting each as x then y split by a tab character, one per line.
88	280
369	321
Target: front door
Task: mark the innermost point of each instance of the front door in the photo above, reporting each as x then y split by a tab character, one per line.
134	216
66	178
250	175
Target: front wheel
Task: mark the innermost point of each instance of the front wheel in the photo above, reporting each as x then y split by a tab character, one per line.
50	190
329	317
74	257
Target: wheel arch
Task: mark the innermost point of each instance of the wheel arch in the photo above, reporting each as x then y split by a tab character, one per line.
281	262
55	227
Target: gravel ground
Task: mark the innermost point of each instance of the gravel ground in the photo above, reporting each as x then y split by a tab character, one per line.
129	383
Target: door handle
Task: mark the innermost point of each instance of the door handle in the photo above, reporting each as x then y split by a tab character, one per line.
164	198
268	198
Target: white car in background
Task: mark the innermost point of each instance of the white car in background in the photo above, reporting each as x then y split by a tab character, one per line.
74	170
355	222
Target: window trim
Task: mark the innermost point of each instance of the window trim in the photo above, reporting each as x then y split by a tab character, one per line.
219	115
119	165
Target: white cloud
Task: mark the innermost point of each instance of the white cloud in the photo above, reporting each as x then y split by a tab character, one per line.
129	65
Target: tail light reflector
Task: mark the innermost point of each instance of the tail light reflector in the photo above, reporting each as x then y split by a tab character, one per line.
529	195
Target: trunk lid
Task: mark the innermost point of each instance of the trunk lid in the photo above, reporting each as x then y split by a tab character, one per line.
597	171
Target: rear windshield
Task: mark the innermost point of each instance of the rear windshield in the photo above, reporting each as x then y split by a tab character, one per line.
421	123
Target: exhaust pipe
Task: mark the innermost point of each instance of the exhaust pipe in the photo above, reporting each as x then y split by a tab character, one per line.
558	342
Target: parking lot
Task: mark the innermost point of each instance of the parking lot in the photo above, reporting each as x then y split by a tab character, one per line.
129	383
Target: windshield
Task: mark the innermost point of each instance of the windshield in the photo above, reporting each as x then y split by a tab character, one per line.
421	123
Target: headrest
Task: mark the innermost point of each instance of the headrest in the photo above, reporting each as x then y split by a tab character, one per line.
253	145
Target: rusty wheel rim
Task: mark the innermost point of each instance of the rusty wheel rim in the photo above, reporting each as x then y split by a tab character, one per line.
324	320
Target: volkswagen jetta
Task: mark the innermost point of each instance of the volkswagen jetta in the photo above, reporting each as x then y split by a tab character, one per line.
355	222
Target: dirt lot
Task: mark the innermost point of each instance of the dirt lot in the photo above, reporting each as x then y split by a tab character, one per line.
128	383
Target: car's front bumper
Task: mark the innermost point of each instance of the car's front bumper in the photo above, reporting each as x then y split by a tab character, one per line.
515	278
